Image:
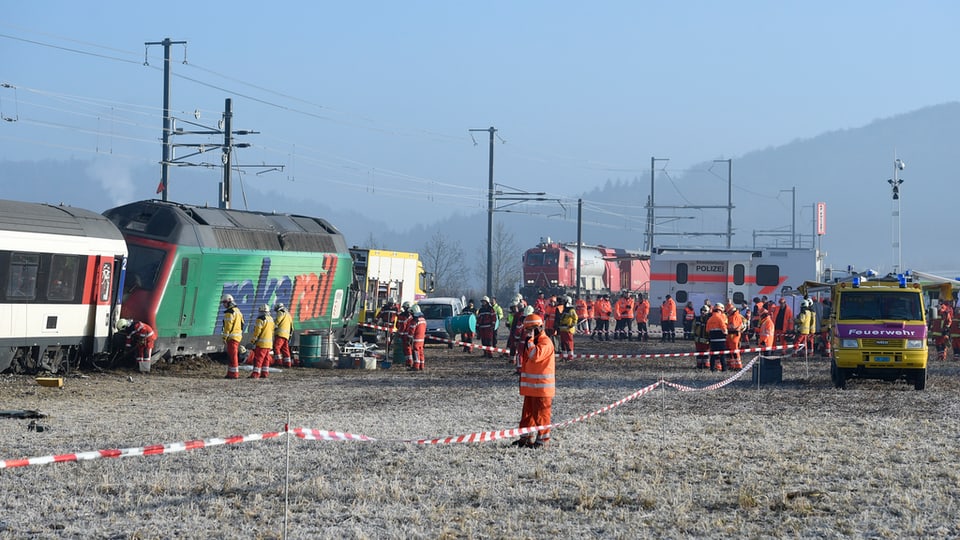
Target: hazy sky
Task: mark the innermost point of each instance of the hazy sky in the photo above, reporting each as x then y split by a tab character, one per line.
370	103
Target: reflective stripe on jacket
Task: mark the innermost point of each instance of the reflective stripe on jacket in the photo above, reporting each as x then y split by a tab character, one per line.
232	324
537	372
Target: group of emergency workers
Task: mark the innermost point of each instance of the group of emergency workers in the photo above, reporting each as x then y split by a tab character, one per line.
406	332
269	342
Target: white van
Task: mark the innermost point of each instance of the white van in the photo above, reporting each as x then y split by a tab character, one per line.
436	311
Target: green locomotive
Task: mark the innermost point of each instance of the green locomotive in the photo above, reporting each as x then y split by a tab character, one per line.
184	257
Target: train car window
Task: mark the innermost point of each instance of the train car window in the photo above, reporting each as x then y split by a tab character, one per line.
23	269
143	267
681	296
62	284
768	275
551	259
682	273
739	273
738	298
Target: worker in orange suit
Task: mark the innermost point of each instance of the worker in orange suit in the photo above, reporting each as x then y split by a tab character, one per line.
642	316
736	327
142	335
602	311
782	322
550	316
765	331
417	333
537	382
668	320
717	331
583	325
689	314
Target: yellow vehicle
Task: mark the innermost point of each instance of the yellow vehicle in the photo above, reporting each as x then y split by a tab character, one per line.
878	330
384	275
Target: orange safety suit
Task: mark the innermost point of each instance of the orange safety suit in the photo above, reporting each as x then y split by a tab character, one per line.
782	322
766	331
603	309
668	320
550	316
143	336
623	313
717	331
582	322
736	326
537	385
642	316
417	332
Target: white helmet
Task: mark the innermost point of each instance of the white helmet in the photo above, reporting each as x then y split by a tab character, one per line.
405	305
718	307
264	308
279	307
226	299
528	311
122	324
485	299
415	310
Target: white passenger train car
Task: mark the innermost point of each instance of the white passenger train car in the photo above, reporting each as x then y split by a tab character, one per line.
60	268
723	275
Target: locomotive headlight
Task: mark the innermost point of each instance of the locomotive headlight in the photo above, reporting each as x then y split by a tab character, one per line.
848	343
914	343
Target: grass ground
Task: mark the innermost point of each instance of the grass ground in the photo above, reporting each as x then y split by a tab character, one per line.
796	459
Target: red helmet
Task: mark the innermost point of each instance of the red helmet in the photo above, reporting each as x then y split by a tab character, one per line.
532	321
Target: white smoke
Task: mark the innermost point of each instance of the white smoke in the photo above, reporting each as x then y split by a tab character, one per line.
115	177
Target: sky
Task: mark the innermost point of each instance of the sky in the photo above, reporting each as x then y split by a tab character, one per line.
372	104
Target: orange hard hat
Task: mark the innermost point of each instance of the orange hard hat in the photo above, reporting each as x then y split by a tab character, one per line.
531	321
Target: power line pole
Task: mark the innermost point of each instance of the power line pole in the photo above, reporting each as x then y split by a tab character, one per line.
490	207
226	157
165	159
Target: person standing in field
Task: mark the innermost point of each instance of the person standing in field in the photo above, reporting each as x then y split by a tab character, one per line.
283	329
232	335
642	315
486	322
537	382
765	332
499	311
566	327
717	330
417	334
736	327
806	326
668	320
262	343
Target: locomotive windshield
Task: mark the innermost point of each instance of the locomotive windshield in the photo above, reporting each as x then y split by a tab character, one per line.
143	268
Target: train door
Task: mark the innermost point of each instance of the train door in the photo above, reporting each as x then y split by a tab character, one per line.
739	289
186	290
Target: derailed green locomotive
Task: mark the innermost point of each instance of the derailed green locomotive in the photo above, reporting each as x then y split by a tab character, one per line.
184	257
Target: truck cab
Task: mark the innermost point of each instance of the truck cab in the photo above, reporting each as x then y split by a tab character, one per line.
878	331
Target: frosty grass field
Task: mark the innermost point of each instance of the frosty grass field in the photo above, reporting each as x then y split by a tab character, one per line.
797	459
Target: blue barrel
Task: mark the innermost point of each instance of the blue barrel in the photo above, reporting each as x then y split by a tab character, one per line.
311	350
460	324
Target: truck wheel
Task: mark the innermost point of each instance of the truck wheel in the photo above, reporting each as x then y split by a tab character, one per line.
838	375
920	379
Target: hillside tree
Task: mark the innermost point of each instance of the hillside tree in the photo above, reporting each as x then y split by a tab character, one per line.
444	257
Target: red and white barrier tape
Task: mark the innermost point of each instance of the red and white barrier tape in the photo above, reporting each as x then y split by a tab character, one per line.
324	435
152	450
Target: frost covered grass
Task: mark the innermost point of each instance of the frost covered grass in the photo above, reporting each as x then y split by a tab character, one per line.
799	459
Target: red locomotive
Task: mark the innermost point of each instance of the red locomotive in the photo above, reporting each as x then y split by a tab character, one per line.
551	268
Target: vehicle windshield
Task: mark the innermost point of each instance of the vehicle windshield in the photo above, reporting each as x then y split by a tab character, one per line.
436	311
875	305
